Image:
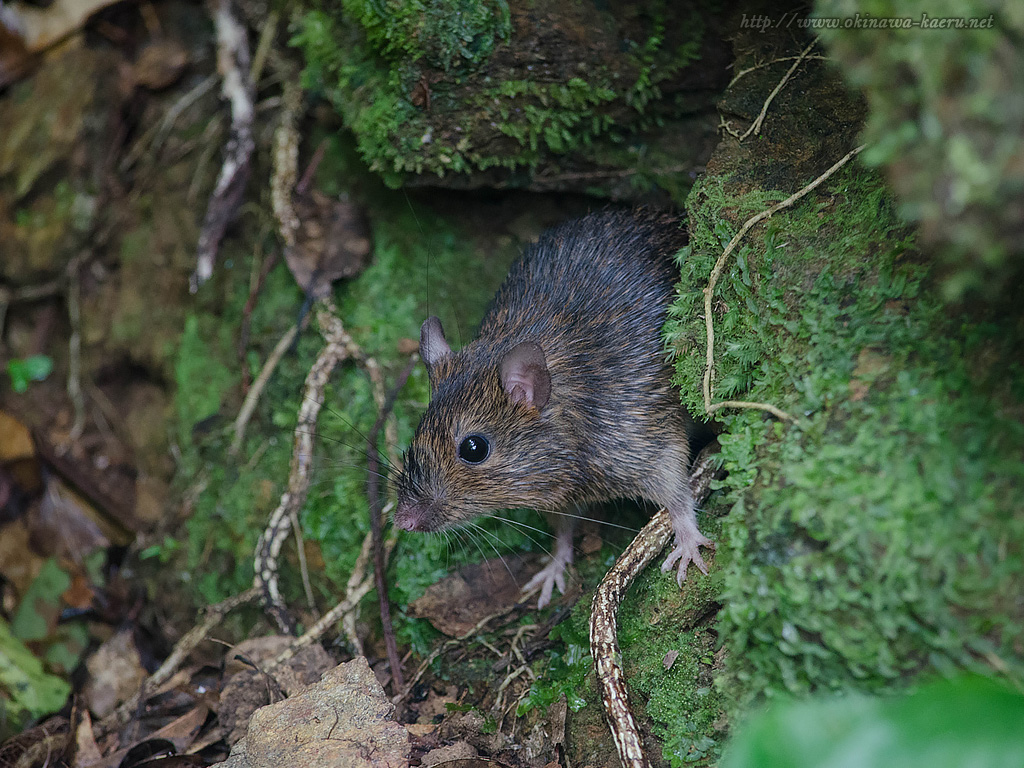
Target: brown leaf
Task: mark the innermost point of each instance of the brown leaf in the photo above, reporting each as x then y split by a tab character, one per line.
590	544
333	241
458	602
15	438
176	736
87	752
45	26
15	58
160	64
115	673
19	565
64	524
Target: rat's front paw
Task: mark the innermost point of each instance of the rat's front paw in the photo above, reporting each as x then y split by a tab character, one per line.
547	578
686	551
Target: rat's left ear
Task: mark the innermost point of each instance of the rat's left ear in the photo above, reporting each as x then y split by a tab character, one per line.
524	375
433	345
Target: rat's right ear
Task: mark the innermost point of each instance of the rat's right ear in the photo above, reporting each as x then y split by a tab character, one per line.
525	376
433	345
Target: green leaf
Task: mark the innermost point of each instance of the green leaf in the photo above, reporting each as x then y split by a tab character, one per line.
25	370
947	724
26	690
42	599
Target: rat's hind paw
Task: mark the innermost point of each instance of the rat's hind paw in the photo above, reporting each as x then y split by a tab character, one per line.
547	578
686	551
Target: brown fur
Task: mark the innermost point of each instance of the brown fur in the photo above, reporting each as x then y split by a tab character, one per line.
593	293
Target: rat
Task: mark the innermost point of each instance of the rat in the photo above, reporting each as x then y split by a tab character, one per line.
565	397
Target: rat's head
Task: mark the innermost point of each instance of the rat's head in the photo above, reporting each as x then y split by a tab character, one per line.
485	441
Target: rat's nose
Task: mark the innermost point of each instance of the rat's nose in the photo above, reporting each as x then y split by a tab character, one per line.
415	515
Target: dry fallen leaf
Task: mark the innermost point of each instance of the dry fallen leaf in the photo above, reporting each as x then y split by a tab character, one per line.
332	242
41	27
160	64
115	673
87	752
458	602
64	524
15	58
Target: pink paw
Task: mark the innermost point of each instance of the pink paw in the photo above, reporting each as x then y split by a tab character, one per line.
547	578
686	551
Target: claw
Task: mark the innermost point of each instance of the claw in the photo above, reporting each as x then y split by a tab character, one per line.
550	576
686	551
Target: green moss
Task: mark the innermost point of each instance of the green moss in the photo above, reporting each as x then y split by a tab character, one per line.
947	121
373	65
201	373
944	724
567	669
877	538
445	33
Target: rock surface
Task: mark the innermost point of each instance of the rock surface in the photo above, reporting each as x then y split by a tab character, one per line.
342	722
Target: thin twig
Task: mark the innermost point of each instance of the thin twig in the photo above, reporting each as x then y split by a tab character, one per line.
258	276
300	547
775	411
10	296
264	46
442	647
755	127
358	575
75	351
763	64
328	620
716	272
253	395
377	525
269	546
286	163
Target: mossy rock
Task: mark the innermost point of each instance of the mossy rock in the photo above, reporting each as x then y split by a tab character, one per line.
876	538
542	95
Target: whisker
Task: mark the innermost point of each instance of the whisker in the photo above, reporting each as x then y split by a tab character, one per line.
484	531
337	463
563	513
469	536
383	457
536	543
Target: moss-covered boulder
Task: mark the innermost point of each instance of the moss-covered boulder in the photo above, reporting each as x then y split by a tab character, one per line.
877	536
553	94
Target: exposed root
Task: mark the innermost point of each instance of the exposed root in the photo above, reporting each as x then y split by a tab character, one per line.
337	348
716	273
755	127
233	63
604	645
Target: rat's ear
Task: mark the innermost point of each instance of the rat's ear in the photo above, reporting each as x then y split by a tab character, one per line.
524	375
433	345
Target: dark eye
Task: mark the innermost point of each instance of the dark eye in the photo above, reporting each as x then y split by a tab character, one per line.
474	449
